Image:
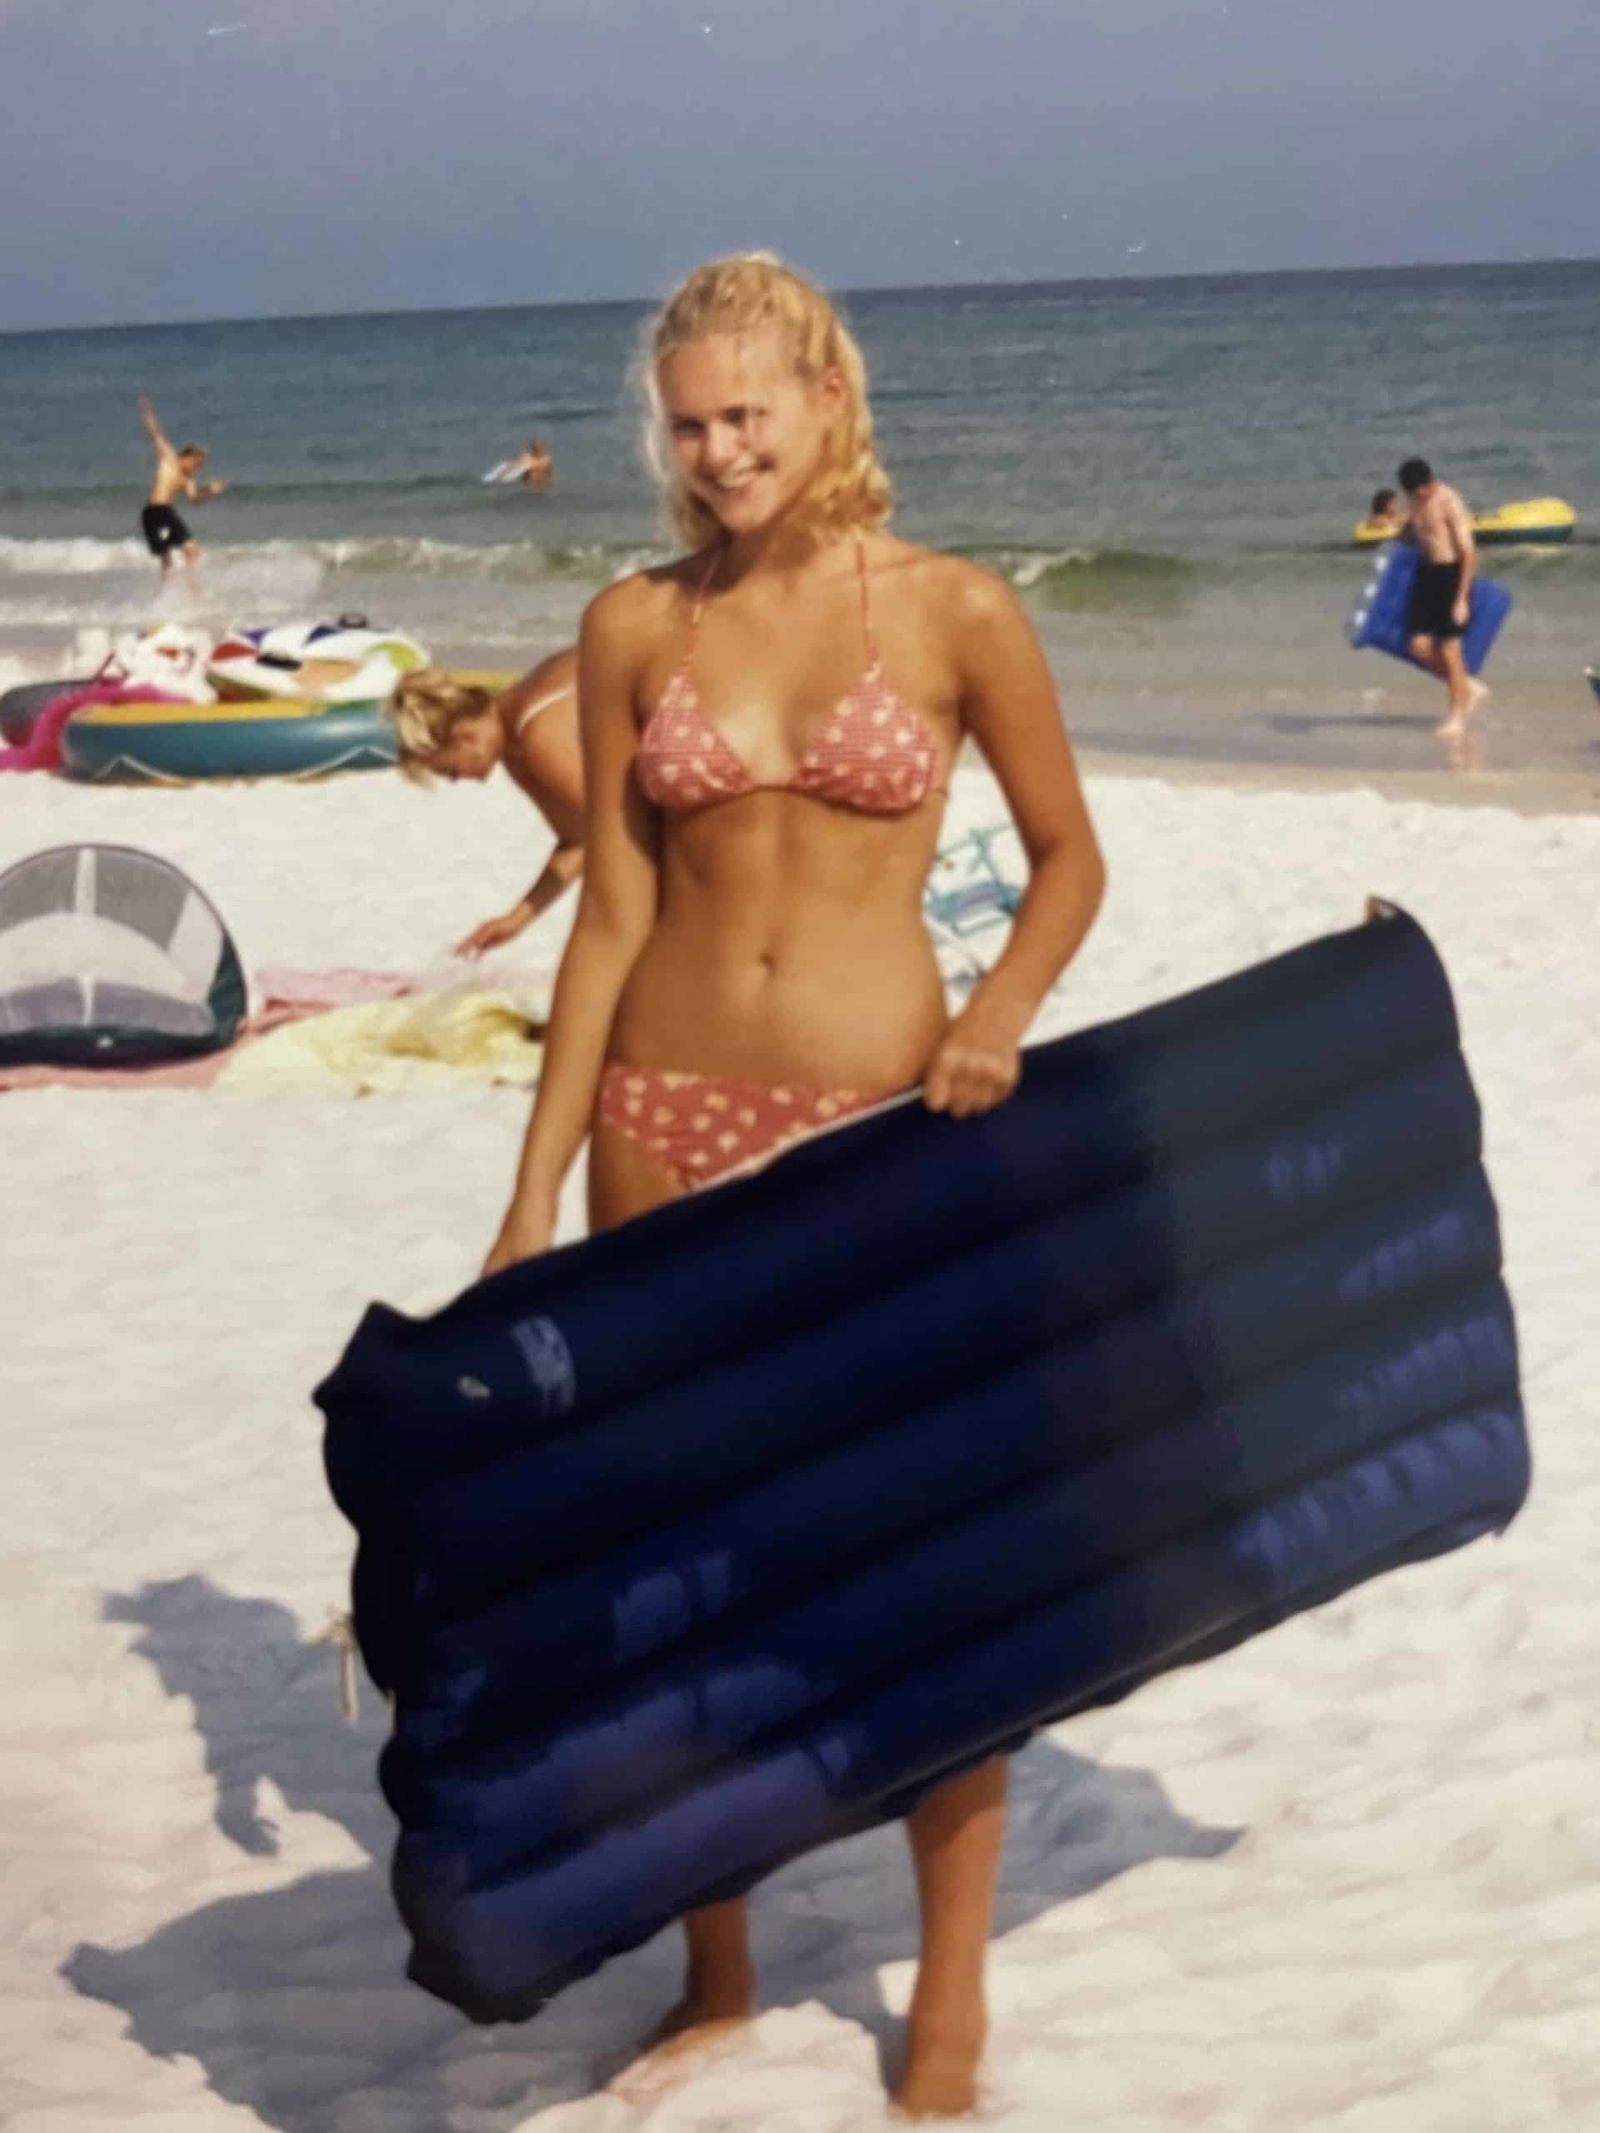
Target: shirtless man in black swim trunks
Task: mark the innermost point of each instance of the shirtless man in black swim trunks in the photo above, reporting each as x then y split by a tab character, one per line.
165	534
1440	526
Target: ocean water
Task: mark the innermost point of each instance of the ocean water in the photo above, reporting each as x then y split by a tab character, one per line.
1168	471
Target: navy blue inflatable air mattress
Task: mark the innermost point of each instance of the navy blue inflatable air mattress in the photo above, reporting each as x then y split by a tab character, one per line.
1379	621
725	1533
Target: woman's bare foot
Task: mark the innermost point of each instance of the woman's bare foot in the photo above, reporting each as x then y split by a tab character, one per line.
696	2032
941	2071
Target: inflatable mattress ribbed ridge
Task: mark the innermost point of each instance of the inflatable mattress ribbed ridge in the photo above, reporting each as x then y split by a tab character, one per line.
727	1532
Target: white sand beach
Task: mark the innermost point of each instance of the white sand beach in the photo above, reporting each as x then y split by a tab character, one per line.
1345	1878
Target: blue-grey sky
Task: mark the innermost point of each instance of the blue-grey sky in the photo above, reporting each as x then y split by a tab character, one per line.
169	159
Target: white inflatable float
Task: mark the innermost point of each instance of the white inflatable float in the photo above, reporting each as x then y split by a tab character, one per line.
341	662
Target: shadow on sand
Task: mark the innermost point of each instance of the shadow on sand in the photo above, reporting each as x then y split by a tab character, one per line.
1298	723
292	1999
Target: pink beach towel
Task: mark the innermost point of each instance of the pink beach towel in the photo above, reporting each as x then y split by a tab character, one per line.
42	749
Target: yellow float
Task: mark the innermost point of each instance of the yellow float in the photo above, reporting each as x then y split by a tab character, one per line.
1543	521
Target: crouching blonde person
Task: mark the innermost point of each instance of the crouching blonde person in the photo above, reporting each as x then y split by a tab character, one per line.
768	730
453	729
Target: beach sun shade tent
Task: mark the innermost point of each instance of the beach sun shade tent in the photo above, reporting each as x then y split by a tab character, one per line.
110	956
730	1530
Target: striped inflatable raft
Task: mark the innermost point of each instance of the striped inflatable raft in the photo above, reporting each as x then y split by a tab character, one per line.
730	1531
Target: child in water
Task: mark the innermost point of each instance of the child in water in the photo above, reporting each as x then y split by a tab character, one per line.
1383	520
177	473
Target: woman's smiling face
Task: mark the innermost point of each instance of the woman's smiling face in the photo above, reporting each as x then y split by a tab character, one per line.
747	432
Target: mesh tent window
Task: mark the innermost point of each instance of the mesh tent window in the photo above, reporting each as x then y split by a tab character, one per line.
110	956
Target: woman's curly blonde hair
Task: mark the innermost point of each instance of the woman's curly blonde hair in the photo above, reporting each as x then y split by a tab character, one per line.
743	293
427	706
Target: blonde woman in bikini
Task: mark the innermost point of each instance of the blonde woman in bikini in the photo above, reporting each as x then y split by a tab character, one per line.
768	729
450	729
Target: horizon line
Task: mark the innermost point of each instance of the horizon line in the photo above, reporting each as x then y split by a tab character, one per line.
1087	283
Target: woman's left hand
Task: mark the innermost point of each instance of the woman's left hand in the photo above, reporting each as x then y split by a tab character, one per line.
975	1066
495	932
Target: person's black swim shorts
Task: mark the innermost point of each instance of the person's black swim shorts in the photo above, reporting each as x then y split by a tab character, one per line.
164	532
1433	595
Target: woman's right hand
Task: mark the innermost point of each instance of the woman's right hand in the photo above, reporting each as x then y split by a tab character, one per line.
524	1234
495	932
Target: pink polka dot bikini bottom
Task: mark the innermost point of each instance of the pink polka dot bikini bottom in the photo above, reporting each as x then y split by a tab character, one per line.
701	1126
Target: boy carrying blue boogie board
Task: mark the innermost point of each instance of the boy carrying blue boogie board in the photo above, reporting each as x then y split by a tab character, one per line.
1426	603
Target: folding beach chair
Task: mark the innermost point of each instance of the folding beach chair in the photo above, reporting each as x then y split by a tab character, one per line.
974	888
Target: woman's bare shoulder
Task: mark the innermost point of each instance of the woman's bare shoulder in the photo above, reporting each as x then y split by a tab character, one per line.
634	610
950	590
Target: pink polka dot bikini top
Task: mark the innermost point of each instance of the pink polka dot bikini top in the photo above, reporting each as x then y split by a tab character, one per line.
871	752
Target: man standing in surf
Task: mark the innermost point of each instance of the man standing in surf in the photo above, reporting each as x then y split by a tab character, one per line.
1440	527
176	474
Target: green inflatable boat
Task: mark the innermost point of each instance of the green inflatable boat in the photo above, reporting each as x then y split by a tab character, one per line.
177	744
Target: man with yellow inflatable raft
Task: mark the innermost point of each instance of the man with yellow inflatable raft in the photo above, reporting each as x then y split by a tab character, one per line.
299	700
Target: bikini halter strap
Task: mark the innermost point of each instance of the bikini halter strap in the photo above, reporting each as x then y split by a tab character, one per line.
874	656
698	606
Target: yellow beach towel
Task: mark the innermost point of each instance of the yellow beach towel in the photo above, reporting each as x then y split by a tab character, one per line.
443	1040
